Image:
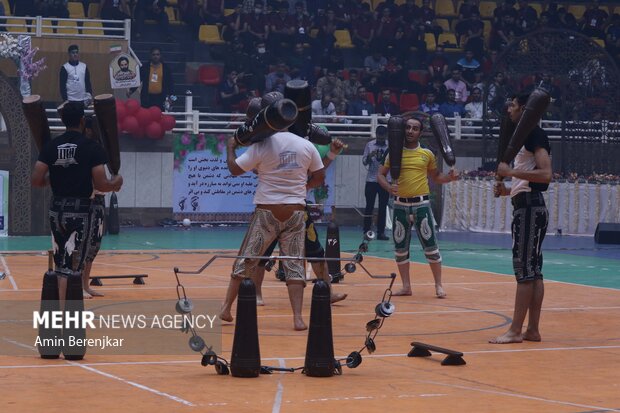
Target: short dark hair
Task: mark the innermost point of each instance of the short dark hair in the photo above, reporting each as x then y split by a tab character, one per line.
419	121
72	114
120	59
521	98
72	48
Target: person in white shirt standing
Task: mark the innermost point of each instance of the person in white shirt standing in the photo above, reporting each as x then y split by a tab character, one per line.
75	79
287	166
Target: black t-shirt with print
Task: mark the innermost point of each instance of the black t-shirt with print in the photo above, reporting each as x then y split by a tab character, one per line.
538	139
70	158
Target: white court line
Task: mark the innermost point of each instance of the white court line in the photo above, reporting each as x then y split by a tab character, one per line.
277	403
516	395
8	273
133	383
111	376
373	356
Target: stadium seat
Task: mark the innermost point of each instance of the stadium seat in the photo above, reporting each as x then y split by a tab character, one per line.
209	74
421	77
16	26
343	39
76	10
409	102
7	9
93	10
448	41
538	7
600	42
47	26
576	10
92	29
210	34
445	9
486	9
444	24
172	16
228	12
67	27
429	39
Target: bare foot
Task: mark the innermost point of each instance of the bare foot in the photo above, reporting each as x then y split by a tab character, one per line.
93	292
226	316
507	338
531	336
337	297
404	291
298	324
439	292
85	295
259	301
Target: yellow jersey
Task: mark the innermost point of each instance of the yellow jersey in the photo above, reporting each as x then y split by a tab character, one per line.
416	164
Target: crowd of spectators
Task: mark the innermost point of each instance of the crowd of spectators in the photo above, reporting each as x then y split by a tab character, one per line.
398	47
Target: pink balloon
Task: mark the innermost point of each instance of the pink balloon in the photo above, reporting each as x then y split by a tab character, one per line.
155	113
130	125
144	117
132	106
121	112
168	122
155	131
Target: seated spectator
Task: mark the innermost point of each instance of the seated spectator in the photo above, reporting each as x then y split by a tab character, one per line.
281	30
527	17
375	64
504	32
466	10
323	109
474	109
474	32
385	29
430	106
115	10
437	87
325	38
456	83
451	108
255	26
550	18
333	62
371	83
301	64
148	9
351	85
593	20
229	92
260	60
497	94
385	106
342	11
506	8
395	74
233	25
276	80
438	64
302	24
408	11
54	8
612	38
428	18
410	44
25	8
363	30
332	86
213	12
386	4
359	105
488	62
237	59
470	68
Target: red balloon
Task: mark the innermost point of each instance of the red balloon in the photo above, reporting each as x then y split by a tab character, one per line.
132	106
130	125
155	113
144	117
168	122
155	131
121	111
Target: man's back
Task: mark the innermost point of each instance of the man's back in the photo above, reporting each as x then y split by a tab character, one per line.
282	162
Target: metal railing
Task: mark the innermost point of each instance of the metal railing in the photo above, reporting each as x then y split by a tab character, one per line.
193	121
77	28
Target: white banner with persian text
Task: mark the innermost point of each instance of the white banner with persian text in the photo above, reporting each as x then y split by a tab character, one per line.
202	183
574	207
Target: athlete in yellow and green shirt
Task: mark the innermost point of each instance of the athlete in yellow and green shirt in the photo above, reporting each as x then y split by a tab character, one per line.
412	205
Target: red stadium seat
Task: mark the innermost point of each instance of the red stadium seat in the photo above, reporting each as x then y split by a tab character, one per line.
420	77
409	102
371	98
210	74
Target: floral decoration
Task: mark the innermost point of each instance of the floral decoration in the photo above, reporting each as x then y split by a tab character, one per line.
187	142
13	48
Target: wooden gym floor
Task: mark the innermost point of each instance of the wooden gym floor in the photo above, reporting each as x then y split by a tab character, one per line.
574	369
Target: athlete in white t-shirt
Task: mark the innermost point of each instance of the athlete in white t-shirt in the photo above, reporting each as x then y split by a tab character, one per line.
287	166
